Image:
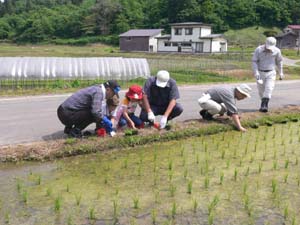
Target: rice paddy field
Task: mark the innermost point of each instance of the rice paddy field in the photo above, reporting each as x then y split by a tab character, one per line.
227	178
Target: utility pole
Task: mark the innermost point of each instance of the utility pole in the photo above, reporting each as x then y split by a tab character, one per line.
298	42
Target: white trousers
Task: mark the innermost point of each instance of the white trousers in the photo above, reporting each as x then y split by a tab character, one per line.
265	89
211	106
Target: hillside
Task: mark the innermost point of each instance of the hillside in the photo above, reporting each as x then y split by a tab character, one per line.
35	21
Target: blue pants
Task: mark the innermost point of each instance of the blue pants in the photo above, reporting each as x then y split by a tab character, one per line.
137	121
160	110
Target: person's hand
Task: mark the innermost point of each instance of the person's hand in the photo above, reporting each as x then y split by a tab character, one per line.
106	121
163	122
281	76
257	76
242	129
132	125
151	116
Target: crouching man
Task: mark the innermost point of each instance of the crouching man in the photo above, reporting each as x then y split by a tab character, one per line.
84	107
220	100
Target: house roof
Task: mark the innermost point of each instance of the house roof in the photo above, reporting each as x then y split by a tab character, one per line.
166	36
190	24
294	27
213	36
285	34
141	33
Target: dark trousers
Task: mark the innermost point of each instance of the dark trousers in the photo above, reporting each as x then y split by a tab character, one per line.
71	118
160	110
137	121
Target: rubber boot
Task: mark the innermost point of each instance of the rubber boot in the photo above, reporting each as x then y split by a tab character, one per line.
264	105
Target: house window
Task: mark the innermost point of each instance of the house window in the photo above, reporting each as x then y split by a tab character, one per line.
178	31
167	44
188	31
174	44
186	44
128	38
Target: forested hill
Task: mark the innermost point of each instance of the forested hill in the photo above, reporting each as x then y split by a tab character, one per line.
44	20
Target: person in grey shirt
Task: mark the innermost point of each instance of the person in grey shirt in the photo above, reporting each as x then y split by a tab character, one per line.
264	62
220	100
85	107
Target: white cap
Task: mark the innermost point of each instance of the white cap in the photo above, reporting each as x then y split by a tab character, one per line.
270	43
162	78
244	89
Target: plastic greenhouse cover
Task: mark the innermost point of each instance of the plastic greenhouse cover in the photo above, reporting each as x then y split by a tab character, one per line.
73	68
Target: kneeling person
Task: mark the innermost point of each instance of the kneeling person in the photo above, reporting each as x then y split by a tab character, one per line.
161	93
219	100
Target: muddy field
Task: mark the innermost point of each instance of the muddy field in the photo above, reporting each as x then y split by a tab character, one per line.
225	178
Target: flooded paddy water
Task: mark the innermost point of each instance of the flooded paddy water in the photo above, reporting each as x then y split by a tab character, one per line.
227	178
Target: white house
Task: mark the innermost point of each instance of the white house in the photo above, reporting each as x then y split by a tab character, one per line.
191	37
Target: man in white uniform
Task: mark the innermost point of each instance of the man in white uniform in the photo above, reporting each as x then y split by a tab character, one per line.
265	59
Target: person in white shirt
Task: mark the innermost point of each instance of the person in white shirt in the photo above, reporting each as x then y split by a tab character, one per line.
264	62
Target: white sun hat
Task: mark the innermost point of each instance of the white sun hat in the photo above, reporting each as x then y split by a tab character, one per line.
270	43
162	78
244	89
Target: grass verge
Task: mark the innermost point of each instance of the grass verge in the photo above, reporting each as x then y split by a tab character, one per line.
51	150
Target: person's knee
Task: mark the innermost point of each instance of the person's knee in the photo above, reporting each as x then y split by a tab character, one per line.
144	115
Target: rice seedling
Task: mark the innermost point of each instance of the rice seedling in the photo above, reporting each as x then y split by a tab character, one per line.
245	188
260	165
25	197
223	154
92	215
182	151
275	165
49	191
170	165
195	205
172	190
154	216
184	161
19	185
197	159
264	156
68	188
274	186
221	178
136	202
39	180
247	171
241	162
57	204
213	204
78	199
125	164
286	178
206	182
294	222
185	173
298	180
286	212
70	220
251	158
211	219
235	174
189	187
174	210
227	163
115	211
286	164
7	218
139	173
